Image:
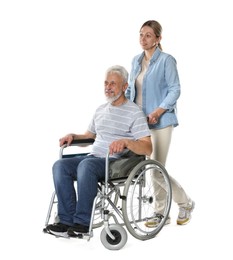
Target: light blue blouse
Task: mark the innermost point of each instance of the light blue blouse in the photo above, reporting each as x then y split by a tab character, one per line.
160	87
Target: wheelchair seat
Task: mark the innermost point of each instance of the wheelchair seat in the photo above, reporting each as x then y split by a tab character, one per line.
122	167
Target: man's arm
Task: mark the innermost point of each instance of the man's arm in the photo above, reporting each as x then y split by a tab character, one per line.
141	146
70	137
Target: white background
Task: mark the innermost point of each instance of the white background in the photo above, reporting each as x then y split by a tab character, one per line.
53	56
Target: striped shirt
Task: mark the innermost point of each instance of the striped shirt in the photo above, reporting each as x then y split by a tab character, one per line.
111	123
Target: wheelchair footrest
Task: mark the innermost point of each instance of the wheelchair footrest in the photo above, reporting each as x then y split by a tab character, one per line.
86	236
57	235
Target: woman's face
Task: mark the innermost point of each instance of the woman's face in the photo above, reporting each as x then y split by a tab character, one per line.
147	38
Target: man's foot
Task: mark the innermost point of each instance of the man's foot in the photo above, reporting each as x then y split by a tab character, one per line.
77	229
185	214
156	220
58	229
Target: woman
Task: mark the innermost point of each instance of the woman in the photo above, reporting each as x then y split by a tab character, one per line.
154	85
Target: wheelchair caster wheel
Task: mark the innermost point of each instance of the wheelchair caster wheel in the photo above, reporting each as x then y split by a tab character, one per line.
120	237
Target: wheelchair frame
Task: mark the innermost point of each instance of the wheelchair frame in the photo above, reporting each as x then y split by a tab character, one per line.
134	187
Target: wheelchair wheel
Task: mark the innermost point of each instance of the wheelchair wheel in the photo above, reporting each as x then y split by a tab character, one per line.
120	237
138	206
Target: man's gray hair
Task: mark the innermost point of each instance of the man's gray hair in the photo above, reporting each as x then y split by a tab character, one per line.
120	70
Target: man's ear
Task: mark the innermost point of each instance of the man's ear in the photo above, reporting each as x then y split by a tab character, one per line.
125	87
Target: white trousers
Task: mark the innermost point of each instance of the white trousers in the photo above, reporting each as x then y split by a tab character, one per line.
161	139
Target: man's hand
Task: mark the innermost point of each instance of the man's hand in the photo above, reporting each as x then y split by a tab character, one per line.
141	146
117	146
66	139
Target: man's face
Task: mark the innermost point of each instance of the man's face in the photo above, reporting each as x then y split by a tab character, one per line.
113	85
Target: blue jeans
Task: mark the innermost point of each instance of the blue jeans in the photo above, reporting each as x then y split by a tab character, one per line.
87	171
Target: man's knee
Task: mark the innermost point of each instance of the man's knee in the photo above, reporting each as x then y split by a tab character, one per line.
86	165
57	170
90	168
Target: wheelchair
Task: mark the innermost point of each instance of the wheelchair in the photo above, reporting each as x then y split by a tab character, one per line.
126	198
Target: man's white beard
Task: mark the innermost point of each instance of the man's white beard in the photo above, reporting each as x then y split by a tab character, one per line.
112	99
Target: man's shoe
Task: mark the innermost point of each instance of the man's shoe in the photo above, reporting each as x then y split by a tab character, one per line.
154	222
77	229
185	214
58	229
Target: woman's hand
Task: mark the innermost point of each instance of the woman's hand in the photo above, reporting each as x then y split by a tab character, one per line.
153	118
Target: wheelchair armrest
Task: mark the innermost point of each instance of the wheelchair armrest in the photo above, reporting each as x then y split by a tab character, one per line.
80	142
